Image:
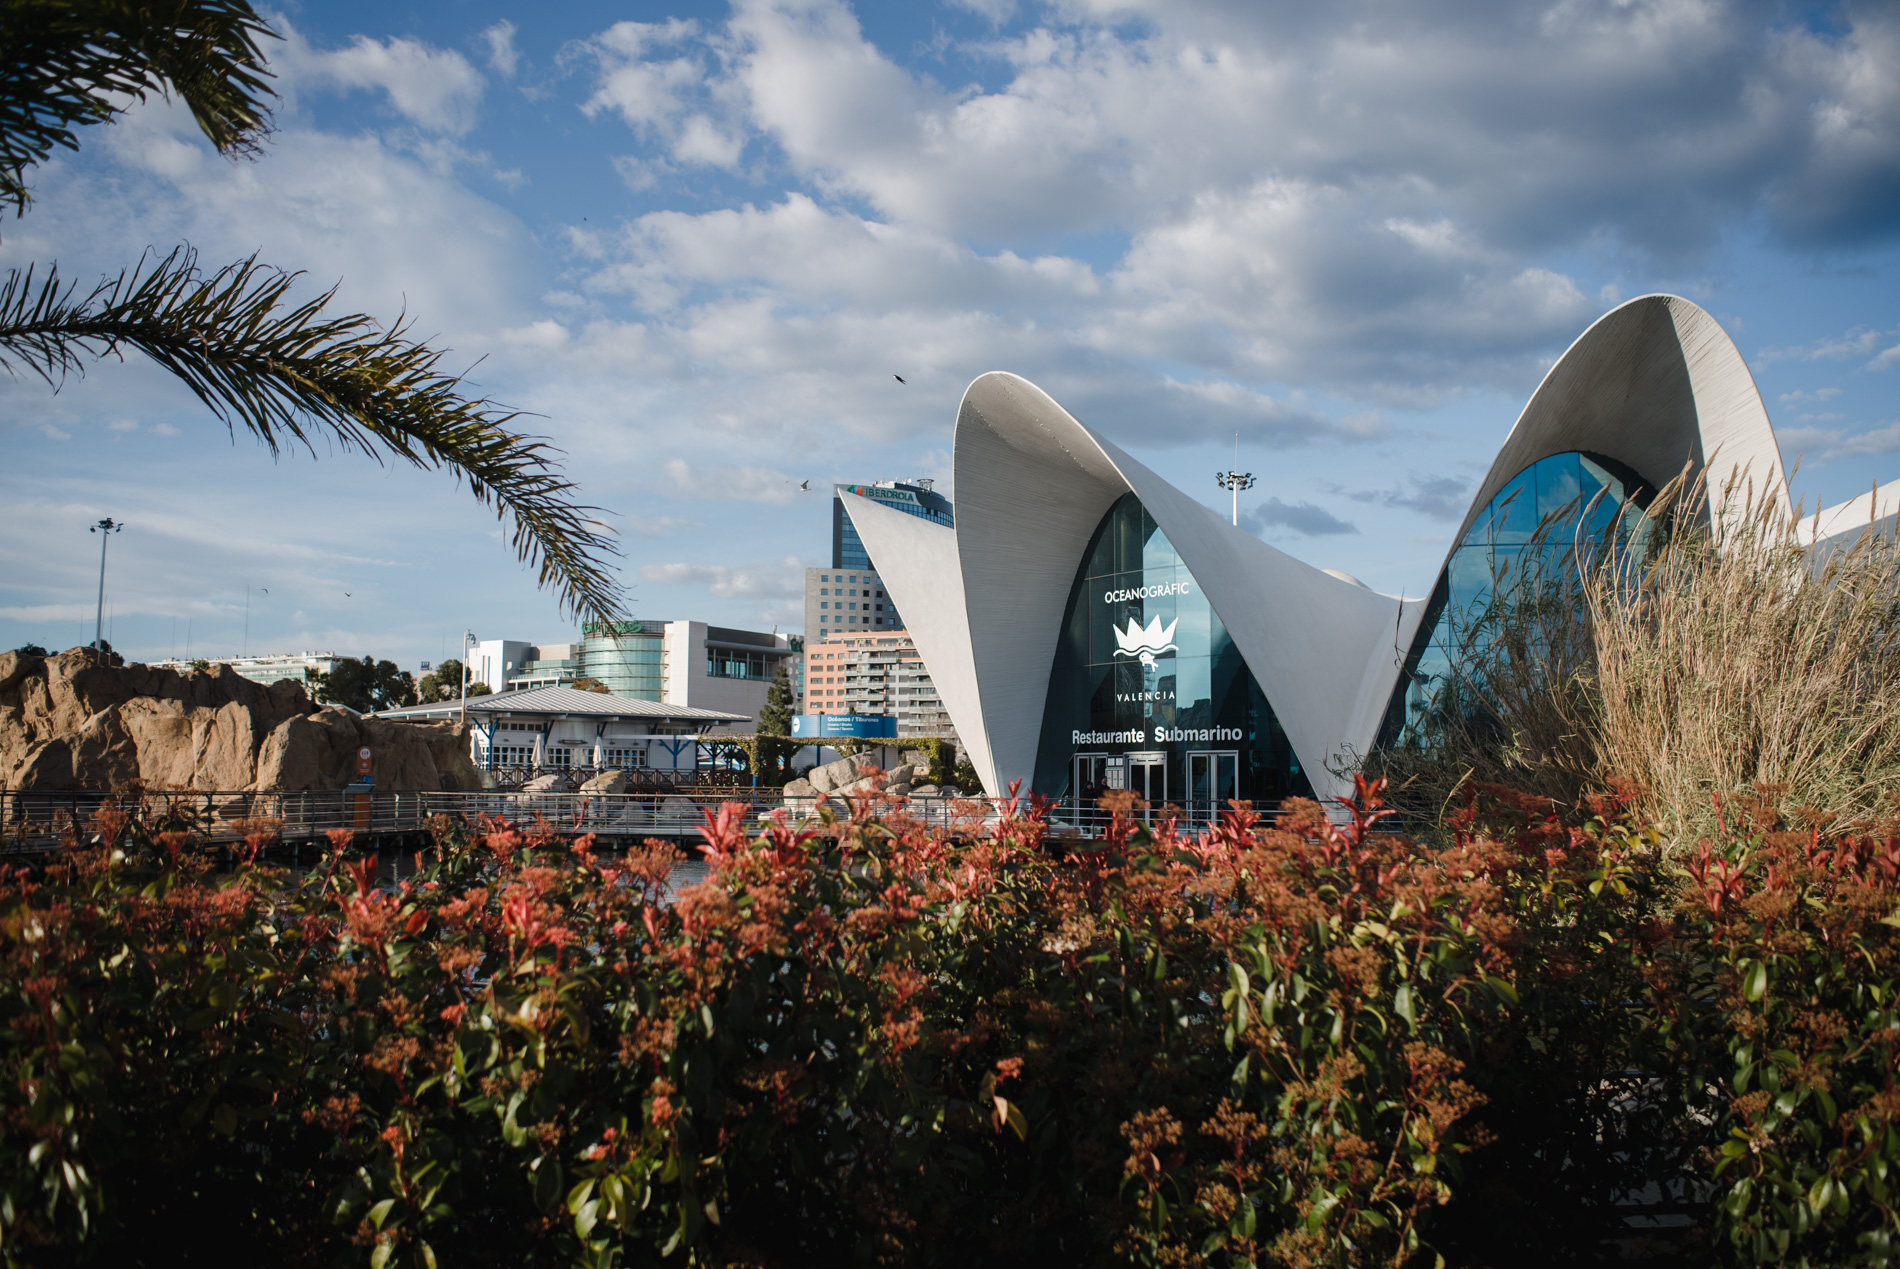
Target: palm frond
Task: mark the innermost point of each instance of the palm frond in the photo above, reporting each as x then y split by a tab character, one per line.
290	372
68	63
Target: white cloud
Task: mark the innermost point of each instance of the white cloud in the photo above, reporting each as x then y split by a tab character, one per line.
656	527
734	484
433	88
500	41
783	579
123	425
1829	443
1819	394
1855	344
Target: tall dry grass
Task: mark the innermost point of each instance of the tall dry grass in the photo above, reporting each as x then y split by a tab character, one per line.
1755	663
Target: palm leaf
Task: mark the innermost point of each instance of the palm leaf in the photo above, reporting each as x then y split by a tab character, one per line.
67	63
290	372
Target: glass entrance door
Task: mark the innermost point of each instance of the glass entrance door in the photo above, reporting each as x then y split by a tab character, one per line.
1148	777
1213	778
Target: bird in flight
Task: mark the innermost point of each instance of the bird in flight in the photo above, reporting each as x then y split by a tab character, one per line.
346	594
263	590
804	484
900	379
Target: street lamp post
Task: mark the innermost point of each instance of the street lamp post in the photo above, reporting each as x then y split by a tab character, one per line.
105	529
468	641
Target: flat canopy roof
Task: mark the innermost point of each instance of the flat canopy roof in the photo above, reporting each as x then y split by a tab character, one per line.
564	702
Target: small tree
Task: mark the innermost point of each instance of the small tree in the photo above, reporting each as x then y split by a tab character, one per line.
366	685
775	747
588	683
444	683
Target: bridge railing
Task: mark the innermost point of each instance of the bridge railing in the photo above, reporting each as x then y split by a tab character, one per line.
34	820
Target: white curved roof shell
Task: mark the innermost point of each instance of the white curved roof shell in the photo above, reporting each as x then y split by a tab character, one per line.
1655	384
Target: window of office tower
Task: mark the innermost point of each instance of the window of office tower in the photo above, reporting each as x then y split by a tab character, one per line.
1148	690
1522	548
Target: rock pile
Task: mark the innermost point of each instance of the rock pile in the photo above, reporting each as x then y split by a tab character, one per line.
837	782
75	721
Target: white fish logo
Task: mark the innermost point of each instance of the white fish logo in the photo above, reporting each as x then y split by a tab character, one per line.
1146	642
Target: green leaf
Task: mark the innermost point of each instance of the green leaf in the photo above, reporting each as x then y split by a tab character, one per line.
380	1257
1755	981
1402	1004
379	1213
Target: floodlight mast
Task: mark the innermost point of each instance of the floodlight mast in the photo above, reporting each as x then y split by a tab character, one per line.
1236	481
105	529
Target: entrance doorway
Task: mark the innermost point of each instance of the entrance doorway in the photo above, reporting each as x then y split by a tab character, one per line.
1213	778
1148	777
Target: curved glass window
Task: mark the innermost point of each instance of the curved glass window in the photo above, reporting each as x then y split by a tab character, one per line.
1524	540
1148	691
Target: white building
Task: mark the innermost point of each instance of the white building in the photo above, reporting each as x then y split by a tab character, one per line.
680	663
559	727
1090	626
297	666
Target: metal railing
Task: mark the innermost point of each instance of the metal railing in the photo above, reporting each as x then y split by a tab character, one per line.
31	820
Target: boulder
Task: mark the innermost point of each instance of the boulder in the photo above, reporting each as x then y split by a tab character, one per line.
677	810
898	790
606	782
900	774
551	782
76	721
801	789
914	758
924	790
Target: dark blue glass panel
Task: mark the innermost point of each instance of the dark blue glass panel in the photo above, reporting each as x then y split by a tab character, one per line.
1143	658
1532	529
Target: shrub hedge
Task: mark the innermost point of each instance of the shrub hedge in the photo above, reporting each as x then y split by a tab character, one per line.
865	1041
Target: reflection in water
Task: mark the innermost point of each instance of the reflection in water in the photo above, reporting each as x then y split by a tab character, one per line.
688	872
394	868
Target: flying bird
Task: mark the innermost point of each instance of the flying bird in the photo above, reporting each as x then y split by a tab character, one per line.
804	484
900	379
263	590
346	594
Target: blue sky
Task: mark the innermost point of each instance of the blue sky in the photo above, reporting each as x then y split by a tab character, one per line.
695	242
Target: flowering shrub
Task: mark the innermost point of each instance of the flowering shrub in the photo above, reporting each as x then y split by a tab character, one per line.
1783	1009
863	1040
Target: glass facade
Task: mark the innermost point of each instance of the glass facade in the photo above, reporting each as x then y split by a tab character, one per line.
1148	691
1527	532
627	656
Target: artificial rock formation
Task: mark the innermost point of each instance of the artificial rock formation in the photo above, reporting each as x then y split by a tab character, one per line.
837	782
74	721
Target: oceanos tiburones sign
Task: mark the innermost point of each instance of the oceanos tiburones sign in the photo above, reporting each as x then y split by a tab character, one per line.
1155	735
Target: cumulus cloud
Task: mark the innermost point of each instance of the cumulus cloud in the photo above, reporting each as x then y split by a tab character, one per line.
433	88
780	580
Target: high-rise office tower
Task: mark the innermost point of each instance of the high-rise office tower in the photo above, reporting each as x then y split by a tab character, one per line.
913	497
848	598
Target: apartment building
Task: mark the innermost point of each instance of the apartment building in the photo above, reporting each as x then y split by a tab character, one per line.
878	672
